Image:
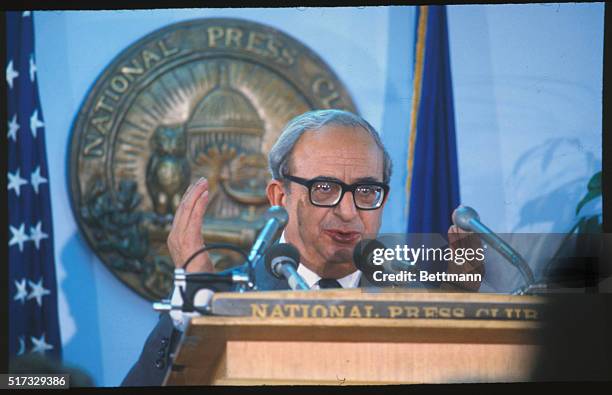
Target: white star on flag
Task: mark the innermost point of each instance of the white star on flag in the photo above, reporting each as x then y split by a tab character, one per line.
40	345
26	14
11	74
21	345
13	128
21	290
36	234
36	179
38	291
19	236
15	182
32	68
35	123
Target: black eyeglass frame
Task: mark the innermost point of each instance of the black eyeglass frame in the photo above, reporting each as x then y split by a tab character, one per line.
345	188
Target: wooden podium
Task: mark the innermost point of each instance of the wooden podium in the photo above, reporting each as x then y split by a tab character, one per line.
354	337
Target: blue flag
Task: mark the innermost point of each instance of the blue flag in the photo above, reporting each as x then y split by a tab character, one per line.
433	181
33	315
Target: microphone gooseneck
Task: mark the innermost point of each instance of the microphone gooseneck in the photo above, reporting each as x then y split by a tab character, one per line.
277	218
468	219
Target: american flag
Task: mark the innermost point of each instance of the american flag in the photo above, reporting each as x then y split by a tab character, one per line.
33	315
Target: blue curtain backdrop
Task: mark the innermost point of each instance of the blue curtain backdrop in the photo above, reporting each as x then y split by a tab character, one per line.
433	179
33	315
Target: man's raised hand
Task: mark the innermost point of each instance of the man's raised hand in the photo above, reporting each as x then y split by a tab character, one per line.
185	237
459	238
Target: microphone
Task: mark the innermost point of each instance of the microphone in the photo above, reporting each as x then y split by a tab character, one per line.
277	218
362	256
467	218
282	261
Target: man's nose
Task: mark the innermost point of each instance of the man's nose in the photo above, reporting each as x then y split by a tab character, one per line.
346	208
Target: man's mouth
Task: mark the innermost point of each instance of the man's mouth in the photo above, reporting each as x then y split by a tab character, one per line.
344	237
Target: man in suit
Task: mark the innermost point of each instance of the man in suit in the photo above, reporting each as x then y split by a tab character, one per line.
330	171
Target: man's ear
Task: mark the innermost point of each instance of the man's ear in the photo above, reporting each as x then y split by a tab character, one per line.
276	193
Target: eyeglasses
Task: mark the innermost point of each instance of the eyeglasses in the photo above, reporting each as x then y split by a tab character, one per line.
323	192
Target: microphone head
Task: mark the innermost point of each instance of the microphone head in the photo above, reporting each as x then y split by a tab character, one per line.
281	250
279	213
362	255
463	215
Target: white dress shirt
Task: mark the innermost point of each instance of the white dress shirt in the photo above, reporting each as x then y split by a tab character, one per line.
312	278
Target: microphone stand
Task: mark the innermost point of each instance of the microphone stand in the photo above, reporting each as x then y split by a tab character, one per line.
512	256
516	259
191	285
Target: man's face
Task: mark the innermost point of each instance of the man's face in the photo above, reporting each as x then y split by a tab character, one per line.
326	236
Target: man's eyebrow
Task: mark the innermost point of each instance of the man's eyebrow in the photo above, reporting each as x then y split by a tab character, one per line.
327	178
367	179
359	180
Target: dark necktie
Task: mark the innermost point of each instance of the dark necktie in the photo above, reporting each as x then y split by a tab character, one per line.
326	283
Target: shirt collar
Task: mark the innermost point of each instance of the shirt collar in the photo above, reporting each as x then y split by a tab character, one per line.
311	278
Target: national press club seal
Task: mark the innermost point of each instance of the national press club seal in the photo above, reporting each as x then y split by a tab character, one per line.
206	97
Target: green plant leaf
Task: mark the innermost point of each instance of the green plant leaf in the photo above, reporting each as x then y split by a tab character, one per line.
594	191
595	182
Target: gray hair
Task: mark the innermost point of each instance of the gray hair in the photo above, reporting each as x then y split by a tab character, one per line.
280	154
